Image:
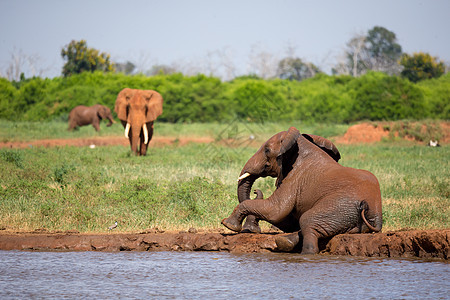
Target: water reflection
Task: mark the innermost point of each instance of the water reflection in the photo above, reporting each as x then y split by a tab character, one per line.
194	275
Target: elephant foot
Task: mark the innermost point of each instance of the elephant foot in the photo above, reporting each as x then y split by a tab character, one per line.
310	244
287	243
251	225
232	224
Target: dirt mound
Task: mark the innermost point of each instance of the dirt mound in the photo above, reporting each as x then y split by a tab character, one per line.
363	133
416	243
366	133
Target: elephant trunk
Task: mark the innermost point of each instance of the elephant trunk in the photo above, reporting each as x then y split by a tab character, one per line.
111	121
136	135
245	186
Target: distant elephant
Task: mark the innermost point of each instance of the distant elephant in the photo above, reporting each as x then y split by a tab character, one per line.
137	110
315	195
84	115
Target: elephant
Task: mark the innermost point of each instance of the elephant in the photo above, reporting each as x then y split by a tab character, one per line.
316	197
84	115
137	110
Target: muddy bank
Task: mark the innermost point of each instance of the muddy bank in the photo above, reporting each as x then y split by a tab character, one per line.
416	243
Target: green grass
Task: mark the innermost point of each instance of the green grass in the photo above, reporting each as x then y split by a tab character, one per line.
175	188
28	131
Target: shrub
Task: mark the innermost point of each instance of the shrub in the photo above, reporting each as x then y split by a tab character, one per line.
377	96
323	98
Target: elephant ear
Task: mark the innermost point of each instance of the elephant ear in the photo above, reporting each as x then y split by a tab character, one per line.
122	101
102	111
324	144
154	102
288	153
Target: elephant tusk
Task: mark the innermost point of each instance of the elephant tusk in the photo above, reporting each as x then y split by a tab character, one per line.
144	128
245	175
127	130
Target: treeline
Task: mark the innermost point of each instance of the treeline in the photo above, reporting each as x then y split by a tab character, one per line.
323	98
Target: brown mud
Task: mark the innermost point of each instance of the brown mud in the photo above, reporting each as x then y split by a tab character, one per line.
398	244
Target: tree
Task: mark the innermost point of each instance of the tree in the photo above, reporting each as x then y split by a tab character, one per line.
262	63
376	51
126	68
383	50
420	66
161	70
80	59
295	69
22	63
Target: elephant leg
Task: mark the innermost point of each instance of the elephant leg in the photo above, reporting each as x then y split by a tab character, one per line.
287	243
96	125
251	225
72	125
326	219
264	209
143	147
251	222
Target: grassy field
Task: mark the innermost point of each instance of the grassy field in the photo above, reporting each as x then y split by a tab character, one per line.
26	131
175	187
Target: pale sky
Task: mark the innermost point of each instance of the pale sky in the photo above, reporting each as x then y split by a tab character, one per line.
203	34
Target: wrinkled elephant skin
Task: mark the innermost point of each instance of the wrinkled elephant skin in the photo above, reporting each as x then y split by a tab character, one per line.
84	115
315	195
137	110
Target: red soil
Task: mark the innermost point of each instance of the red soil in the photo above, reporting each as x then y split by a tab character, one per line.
366	133
414	243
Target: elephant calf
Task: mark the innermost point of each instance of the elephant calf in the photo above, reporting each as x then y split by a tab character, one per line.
315	195
84	115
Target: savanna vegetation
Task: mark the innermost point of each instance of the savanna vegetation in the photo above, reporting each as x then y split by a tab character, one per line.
177	187
323	98
174	187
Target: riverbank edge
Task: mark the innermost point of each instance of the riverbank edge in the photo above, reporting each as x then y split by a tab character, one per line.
395	244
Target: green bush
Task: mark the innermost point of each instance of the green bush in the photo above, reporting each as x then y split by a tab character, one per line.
257	101
377	96
437	96
323	98
8	100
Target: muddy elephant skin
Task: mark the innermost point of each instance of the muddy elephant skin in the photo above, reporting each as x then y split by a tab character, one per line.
137	110
84	115
316	197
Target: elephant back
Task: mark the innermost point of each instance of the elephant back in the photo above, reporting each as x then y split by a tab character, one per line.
324	144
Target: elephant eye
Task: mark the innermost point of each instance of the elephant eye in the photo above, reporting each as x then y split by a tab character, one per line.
267	151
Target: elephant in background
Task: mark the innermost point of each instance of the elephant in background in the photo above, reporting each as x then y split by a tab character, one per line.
137	110
84	115
316	197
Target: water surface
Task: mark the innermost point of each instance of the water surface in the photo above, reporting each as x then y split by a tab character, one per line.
212	275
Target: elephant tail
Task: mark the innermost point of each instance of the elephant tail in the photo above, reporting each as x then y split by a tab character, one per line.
364	207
